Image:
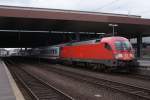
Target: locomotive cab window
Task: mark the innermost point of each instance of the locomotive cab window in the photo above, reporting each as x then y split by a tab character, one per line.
107	46
123	45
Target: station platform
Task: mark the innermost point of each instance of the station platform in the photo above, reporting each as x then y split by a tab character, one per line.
145	63
8	87
144	66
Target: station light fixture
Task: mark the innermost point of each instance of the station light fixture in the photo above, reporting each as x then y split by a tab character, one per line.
113	26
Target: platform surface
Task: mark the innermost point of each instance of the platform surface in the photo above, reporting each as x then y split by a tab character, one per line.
6	92
144	63
144	67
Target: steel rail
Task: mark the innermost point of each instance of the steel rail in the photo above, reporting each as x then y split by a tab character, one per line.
34	85
122	87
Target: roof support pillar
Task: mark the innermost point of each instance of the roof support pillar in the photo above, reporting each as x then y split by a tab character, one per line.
139	45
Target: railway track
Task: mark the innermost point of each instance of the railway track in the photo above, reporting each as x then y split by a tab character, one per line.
143	77
129	89
37	88
131	75
138	92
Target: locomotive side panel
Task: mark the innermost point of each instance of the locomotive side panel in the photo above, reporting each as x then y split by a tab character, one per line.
86	52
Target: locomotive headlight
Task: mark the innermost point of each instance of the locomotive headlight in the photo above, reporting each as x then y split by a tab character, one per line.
132	55
117	56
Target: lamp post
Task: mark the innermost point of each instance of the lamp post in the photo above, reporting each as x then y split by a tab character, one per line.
113	26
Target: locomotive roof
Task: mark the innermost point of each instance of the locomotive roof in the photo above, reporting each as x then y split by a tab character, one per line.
115	38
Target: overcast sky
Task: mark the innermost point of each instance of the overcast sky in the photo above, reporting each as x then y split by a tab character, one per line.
135	7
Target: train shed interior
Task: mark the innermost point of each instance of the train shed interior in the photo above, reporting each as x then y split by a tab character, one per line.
32	27
99	69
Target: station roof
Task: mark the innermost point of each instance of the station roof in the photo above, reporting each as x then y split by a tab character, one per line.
14	20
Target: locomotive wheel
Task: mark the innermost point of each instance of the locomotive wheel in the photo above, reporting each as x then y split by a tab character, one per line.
93	66
98	67
101	67
108	69
74	64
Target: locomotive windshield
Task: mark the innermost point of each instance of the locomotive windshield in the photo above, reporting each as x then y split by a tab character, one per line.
123	45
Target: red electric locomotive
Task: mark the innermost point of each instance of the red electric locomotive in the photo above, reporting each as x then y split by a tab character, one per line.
111	52
106	53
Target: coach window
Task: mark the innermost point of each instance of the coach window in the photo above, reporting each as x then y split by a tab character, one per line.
55	51
98	40
107	46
